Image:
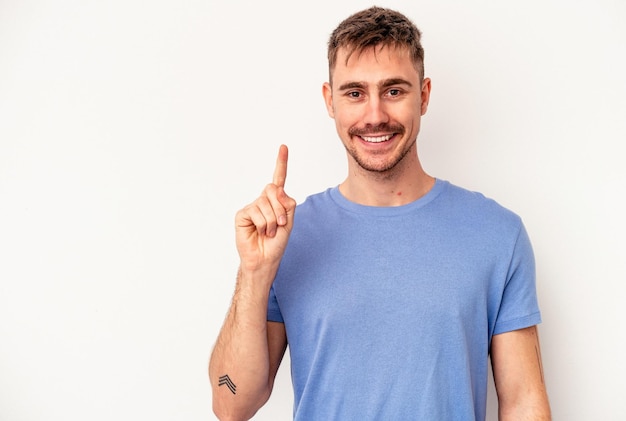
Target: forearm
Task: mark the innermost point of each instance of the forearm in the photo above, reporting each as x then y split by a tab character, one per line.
533	408
518	376
248	351
241	352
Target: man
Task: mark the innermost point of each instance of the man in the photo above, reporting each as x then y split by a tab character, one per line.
392	289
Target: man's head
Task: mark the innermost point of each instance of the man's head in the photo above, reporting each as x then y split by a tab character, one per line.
377	92
375	27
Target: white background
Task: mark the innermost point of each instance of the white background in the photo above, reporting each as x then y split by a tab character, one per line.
131	131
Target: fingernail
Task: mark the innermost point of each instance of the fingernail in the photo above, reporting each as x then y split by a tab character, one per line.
282	220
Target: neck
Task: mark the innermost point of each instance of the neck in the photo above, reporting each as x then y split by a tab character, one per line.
396	187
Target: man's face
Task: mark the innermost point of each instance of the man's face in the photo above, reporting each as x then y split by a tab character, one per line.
377	100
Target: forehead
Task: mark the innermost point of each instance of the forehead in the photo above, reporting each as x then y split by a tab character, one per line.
374	63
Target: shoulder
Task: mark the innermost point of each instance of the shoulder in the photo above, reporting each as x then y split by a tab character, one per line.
470	213
313	211
475	205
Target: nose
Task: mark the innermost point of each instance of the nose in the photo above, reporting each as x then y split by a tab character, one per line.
375	113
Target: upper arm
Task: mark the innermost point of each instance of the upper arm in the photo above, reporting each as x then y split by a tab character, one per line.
518	375
277	344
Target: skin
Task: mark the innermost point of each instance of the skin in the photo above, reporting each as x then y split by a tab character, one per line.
249	349
375	95
518	376
379	93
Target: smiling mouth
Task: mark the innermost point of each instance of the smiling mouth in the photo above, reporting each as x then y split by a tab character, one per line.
376	139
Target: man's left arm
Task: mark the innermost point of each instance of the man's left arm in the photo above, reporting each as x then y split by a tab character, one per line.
518	376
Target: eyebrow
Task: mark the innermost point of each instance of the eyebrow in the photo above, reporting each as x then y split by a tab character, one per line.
383	84
352	85
394	81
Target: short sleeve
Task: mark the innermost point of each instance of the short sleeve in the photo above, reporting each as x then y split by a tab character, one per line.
273	311
519	307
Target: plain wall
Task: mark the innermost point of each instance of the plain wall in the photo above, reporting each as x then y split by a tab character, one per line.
131	132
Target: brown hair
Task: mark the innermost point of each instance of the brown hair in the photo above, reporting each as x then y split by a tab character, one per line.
374	27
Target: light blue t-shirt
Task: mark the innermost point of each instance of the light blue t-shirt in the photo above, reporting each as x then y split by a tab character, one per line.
390	311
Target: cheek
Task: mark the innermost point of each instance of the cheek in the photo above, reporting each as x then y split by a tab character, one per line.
414	115
346	117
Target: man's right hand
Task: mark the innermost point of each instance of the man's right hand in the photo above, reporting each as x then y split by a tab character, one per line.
263	227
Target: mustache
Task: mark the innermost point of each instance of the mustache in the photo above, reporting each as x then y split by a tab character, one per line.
379	128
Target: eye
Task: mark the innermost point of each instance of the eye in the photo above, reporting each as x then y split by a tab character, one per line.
394	92
354	94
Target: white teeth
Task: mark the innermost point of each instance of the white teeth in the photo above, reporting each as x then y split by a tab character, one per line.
377	139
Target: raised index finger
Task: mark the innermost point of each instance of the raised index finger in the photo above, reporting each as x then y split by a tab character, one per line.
280	173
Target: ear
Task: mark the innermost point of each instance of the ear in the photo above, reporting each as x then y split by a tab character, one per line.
327	92
426	86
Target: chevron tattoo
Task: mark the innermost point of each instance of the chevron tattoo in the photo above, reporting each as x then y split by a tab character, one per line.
225	380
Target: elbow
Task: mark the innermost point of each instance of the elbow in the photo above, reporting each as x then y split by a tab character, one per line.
230	414
242	409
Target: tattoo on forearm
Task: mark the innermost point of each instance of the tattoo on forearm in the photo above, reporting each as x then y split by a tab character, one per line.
225	380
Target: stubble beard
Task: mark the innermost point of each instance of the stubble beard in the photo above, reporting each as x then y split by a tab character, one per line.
380	169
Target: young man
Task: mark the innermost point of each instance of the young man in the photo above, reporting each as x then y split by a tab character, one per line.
392	289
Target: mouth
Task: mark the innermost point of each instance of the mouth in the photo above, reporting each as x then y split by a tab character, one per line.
376	139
